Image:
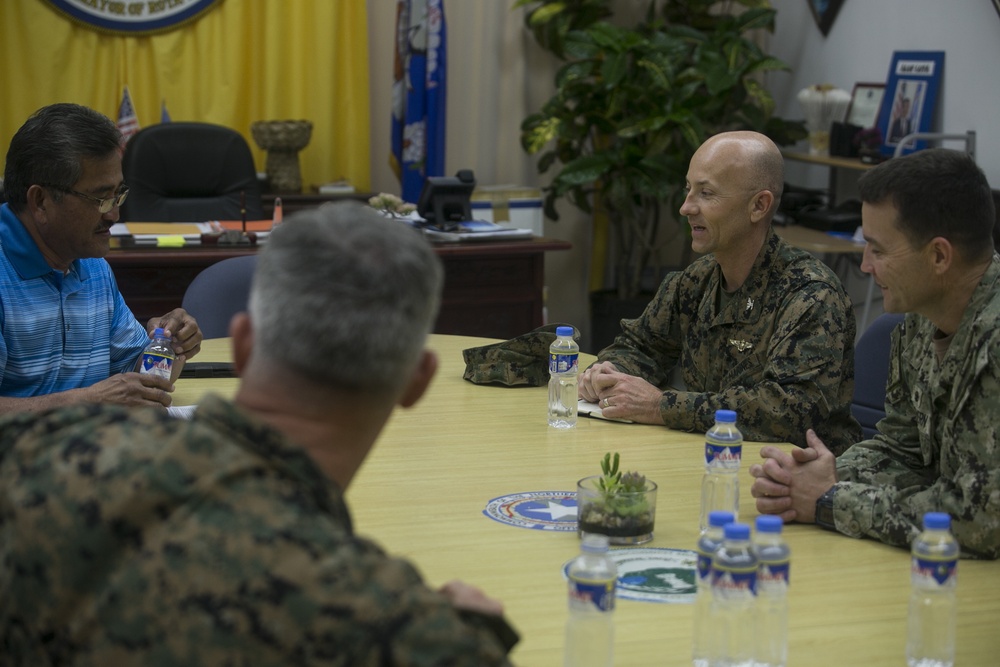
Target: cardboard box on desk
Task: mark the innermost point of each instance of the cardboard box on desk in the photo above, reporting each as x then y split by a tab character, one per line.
509	206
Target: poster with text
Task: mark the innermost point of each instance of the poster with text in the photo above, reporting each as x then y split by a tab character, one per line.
910	95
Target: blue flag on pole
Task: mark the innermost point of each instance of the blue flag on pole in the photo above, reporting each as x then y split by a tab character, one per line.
419	94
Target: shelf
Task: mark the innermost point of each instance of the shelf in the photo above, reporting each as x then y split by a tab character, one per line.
827	161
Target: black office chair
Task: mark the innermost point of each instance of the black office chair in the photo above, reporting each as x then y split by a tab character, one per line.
218	293
189	172
871	371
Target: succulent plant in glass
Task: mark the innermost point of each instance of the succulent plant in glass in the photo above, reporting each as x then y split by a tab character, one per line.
619	505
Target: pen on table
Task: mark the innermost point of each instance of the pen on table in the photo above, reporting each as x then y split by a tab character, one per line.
243	209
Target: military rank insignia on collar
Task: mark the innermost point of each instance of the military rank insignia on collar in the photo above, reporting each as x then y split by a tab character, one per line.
749	304
741	345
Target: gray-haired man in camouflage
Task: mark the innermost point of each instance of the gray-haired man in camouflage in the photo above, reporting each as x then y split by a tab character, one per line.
928	220
756	326
128	537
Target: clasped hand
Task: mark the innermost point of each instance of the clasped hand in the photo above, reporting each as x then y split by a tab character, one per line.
621	396
789	484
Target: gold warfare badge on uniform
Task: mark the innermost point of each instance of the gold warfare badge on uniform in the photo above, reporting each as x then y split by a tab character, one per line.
538	510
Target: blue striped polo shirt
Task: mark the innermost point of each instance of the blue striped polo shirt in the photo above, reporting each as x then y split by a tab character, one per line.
59	331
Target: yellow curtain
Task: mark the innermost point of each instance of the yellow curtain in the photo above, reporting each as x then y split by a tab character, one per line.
242	61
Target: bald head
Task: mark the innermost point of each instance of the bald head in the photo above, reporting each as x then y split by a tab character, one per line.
749	159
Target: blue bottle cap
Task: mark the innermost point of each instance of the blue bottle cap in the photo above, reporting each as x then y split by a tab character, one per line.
937	521
737	531
158	332
564	331
719	518
768	523
725	416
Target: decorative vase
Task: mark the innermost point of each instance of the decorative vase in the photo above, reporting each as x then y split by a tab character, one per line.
627	518
282	139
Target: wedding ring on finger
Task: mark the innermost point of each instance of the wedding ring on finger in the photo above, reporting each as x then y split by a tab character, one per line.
606	403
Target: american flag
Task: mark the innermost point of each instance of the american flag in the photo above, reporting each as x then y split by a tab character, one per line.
128	122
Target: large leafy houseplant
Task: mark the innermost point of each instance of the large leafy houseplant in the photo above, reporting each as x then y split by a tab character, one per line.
632	104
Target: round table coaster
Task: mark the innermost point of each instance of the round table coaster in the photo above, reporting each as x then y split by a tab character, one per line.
653	574
538	510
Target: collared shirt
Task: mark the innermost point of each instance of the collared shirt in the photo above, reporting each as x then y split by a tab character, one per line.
133	538
938	448
780	351
59	331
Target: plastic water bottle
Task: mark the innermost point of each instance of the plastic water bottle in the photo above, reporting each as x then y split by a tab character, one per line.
733	606
930	639
158	357
590	630
773	560
708	543
720	487
564	355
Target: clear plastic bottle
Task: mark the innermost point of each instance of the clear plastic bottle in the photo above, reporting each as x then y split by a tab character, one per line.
734	586
773	561
590	630
564	355
720	487
930	639
158	357
708	543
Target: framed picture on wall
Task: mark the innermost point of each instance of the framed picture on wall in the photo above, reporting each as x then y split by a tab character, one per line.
866	100
910	95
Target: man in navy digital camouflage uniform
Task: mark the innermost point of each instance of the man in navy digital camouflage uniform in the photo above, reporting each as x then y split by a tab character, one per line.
928	220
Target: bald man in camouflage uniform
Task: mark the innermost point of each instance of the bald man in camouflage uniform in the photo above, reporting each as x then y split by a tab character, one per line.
928	221
128	537
756	326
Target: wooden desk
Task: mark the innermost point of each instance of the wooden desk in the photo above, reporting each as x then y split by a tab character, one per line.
491	288
292	202
422	491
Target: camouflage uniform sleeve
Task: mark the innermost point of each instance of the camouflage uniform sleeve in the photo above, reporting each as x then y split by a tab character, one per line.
650	345
795	384
888	483
419	626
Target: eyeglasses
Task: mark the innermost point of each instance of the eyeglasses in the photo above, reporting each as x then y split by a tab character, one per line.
103	205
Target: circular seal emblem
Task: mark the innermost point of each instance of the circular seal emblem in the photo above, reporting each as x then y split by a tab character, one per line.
132	17
538	510
653	574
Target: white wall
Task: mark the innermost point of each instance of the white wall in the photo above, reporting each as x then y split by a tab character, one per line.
859	48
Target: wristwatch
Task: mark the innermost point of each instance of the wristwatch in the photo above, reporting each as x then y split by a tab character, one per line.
824	510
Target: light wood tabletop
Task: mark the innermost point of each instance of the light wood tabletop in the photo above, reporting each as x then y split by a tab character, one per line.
422	492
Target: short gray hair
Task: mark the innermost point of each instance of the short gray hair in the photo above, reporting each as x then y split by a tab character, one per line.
346	297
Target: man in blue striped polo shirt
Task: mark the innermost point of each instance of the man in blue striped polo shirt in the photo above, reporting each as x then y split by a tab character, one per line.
66	335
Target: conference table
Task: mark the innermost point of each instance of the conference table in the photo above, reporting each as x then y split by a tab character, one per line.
422	493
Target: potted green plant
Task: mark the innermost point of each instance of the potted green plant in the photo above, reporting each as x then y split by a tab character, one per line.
633	102
621	506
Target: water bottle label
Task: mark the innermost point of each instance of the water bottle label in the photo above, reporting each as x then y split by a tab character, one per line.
772	576
929	572
730	584
562	363
588	594
156	364
723	456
